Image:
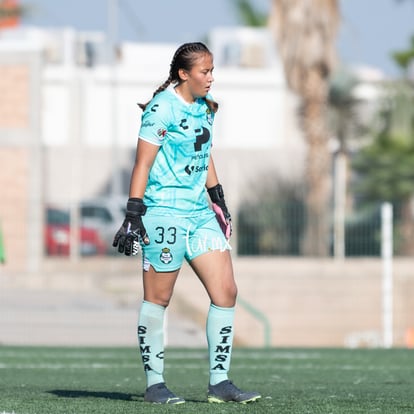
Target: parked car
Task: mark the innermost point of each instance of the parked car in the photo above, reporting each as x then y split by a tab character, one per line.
57	235
104	215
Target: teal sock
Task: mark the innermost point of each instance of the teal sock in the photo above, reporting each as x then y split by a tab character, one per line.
220	342
151	341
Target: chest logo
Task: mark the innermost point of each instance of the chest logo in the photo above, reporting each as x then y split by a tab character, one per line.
202	137
183	124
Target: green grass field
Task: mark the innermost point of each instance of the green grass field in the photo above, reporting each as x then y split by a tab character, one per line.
41	380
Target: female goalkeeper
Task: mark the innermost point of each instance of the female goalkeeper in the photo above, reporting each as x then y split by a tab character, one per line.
169	216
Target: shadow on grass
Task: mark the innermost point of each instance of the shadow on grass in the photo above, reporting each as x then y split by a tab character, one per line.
96	394
106	395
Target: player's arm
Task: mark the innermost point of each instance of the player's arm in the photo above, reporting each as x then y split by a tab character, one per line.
215	191
145	156
133	230
212	178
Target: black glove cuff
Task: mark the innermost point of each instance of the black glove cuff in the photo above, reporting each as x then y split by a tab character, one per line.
136	207
216	193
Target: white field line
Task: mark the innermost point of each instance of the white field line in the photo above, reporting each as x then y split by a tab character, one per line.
187	366
79	354
76	359
29	354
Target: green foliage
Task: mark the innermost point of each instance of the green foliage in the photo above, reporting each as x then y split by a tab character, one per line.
403	58
273	221
343	113
386	172
363	231
385	168
249	15
342	84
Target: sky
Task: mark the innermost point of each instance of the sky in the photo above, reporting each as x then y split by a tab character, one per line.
370	30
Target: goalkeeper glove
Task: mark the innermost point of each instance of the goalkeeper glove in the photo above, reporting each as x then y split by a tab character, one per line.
132	231
219	207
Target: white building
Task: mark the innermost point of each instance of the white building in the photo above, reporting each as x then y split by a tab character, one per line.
90	117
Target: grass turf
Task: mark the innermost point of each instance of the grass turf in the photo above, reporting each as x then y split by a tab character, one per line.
43	380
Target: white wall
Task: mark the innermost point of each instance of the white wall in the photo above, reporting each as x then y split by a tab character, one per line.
256	109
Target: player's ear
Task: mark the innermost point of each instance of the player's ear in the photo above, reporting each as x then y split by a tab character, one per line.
183	74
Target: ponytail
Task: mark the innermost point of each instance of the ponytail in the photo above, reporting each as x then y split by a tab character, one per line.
212	105
161	88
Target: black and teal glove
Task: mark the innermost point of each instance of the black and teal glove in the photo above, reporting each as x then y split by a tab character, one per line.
219	207
132	231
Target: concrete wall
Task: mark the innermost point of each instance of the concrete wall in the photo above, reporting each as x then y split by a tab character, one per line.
306	302
313	302
20	158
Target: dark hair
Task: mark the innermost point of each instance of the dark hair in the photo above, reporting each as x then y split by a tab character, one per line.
184	58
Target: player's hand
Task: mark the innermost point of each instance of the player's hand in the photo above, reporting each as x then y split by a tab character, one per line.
219	207
223	218
132	231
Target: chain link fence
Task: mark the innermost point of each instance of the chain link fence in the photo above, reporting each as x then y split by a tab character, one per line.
277	229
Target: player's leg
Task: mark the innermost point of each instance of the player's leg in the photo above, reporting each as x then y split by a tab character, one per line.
162	259
158	289
215	272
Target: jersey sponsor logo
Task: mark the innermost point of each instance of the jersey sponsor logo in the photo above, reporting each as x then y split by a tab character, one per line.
166	256
200	156
202	137
147	124
162	132
190	169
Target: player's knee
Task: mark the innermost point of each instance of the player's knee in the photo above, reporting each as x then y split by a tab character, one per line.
163	301
158	298
227	296
232	293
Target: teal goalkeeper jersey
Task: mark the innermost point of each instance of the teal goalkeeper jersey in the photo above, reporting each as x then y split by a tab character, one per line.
176	183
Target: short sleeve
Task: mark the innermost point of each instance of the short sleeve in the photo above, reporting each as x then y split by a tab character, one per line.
155	121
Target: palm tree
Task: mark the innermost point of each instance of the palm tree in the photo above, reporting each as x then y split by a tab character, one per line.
305	31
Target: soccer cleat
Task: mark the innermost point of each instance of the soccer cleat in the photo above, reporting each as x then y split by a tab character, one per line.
226	391
160	394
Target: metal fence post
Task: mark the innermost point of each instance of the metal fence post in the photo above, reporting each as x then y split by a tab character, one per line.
387	273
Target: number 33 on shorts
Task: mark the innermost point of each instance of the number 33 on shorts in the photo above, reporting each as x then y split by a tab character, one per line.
186	239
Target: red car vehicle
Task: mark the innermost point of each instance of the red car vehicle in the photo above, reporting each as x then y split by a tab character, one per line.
57	236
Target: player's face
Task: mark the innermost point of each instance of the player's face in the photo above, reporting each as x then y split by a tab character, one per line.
200	77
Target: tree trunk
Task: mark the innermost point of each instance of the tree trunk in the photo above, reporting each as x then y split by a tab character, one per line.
318	168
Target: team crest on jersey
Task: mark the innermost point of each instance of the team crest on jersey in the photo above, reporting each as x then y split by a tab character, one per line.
166	256
161	132
209	116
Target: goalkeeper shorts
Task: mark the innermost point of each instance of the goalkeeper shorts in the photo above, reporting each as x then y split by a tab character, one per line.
173	239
